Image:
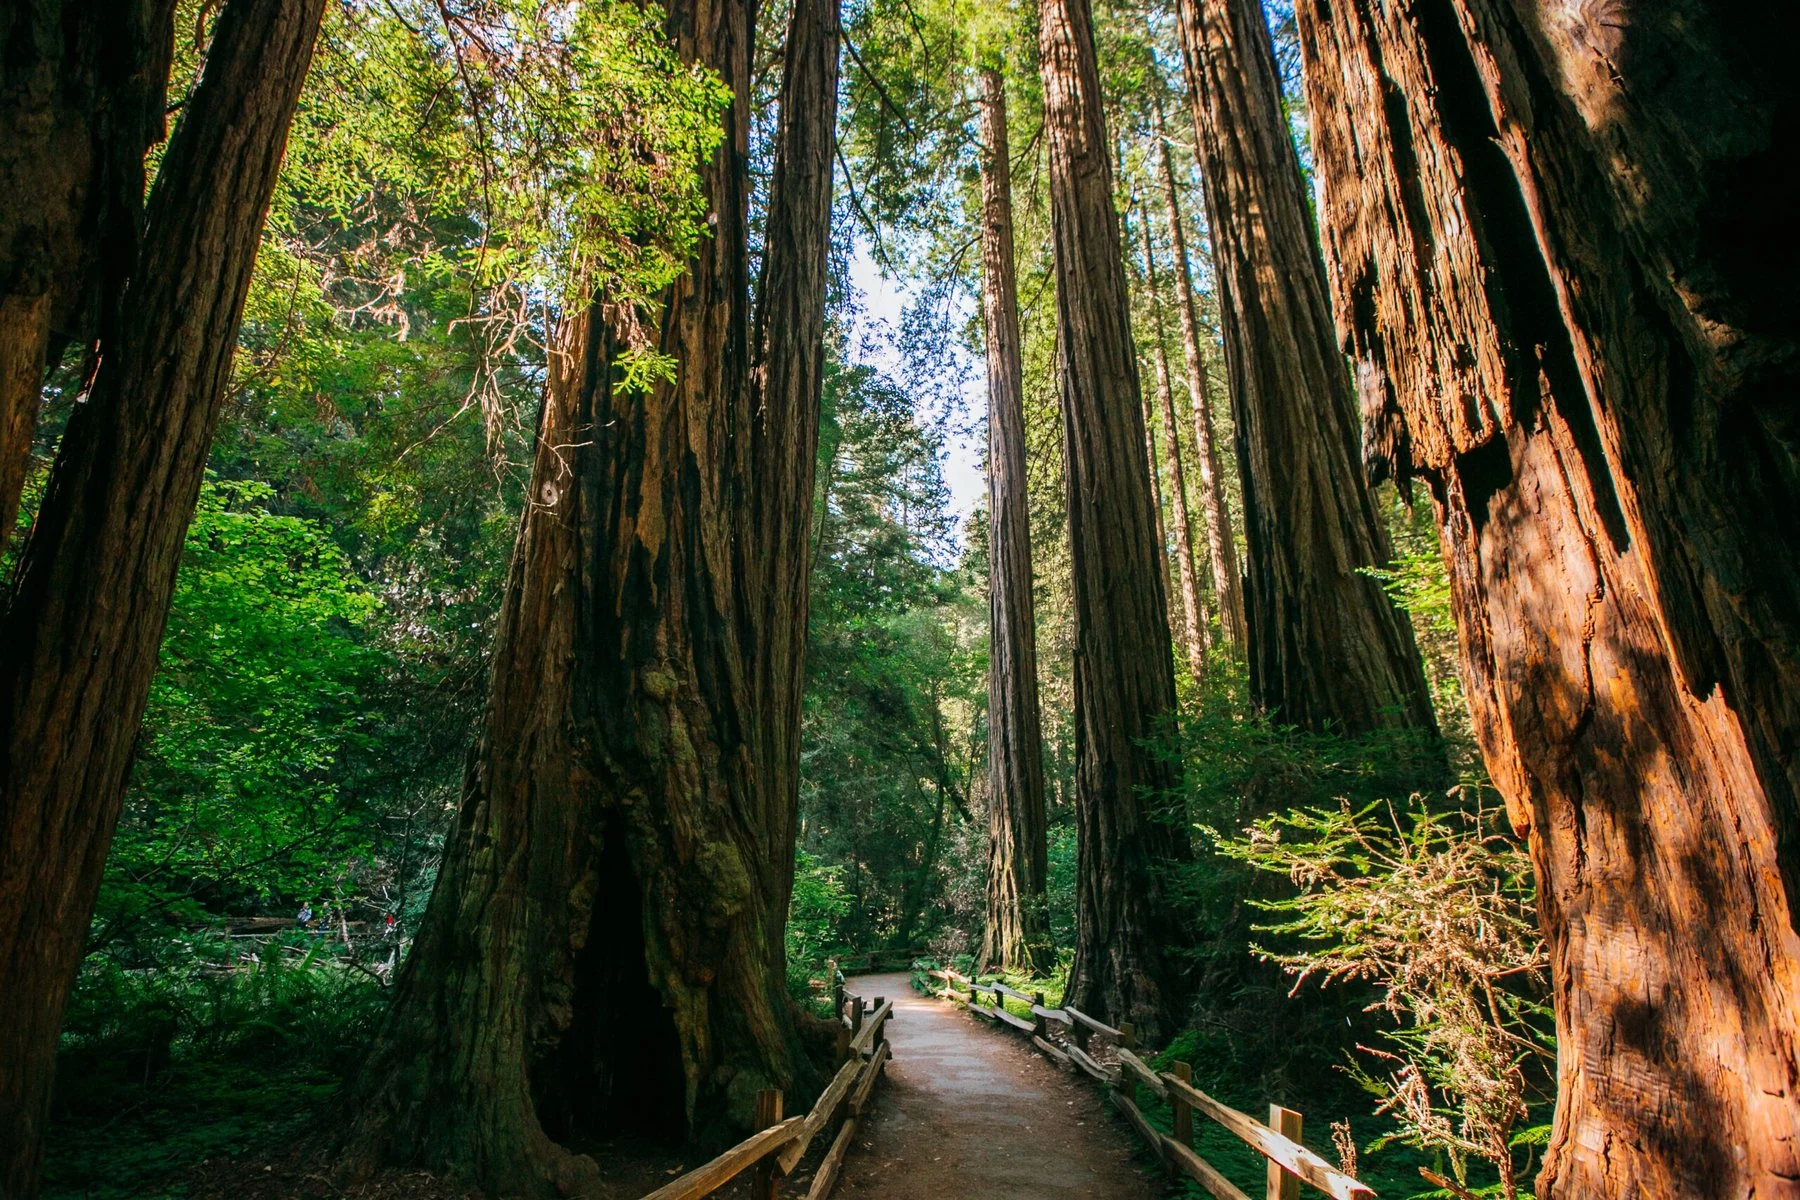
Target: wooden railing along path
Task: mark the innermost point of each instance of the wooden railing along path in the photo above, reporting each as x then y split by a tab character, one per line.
1290	1163
774	1151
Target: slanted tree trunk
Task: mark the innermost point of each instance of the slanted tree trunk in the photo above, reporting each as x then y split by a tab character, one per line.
1327	648
1017	931
1221	547
82	92
603	950
1124	671
86	616
1562	263
1195	634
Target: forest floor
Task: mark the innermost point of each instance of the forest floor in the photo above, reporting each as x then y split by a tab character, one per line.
971	1111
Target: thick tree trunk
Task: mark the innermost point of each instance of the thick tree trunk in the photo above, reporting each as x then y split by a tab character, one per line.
86	616
603	951
1124	671
1562	264
1220	545
82	92
1017	933
1327	648
1195	633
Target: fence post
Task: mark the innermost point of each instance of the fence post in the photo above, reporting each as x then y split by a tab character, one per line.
1127	1082
1039	1025
1127	1038
765	1184
880	1030
1184	1112
835	978
856	1016
1282	1185
843	1044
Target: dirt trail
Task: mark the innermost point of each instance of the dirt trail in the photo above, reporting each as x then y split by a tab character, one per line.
971	1111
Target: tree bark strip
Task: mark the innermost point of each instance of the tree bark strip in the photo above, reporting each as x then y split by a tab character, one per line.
1017	930
1561	263
82	91
1327	648
1124	671
1221	546
1196	635
86	617
604	949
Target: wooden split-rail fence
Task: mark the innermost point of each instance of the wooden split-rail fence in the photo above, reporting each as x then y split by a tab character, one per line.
1067	1036
777	1147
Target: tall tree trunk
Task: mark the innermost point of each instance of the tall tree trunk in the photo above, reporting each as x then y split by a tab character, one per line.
1220	545
1124	671
603	951
1192	608
1327	648
1562	263
82	92
86	616
1017	932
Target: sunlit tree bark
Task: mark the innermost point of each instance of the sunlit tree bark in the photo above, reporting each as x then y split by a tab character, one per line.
86	615
1562	262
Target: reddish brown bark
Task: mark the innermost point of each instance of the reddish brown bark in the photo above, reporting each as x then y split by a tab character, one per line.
603	952
1124	671
1195	632
86	616
1561	263
82	90
1327	649
1221	545
1017	930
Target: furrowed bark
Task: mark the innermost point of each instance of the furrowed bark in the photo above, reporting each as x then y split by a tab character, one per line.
1327	649
1124	670
1017	932
1561	263
603	953
86	616
82	90
1221	546
784	445
1195	634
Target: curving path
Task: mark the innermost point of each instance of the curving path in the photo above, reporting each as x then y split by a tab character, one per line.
971	1111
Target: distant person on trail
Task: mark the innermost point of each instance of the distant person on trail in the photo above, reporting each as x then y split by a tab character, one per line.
305	916
387	927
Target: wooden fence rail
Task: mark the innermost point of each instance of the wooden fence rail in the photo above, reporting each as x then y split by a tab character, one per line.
1290	1162
775	1150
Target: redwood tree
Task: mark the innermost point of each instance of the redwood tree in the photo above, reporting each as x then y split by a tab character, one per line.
1221	545
1124	669
83	88
1193	610
86	615
1017	932
1562	263
603	950
1327	648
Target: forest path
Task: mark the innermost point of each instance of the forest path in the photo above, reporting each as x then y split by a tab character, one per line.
968	1111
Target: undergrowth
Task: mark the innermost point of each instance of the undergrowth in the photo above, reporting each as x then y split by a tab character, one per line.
206	1051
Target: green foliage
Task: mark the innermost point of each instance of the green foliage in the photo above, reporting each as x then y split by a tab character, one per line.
1437	912
896	669
816	912
208	1050
240	791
